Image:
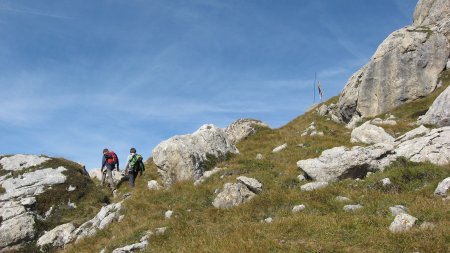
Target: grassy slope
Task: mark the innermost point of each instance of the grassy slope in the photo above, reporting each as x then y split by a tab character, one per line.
323	227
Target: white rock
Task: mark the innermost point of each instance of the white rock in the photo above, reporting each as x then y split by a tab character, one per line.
402	222
243	128
430	12
439	112
385	181
313	186
259	157
132	248
417	132
57	237
342	162
30	201
17	230
371	134
268	220
233	195
32	183
342	199
442	188
71	205
208	174
398	209
280	148
298	208
153	185
251	183
104	217
20	162
168	214
71	188
352	208
183	157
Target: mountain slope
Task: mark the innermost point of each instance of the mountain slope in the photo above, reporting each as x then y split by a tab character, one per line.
196	226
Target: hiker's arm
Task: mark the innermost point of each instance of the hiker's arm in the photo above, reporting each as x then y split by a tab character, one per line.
128	162
103	163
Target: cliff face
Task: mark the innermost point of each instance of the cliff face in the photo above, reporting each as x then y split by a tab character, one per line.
405	67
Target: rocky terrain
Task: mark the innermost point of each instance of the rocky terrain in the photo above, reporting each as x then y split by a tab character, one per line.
367	171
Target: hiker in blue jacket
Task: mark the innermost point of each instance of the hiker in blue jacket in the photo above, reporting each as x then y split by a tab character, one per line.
109	162
134	166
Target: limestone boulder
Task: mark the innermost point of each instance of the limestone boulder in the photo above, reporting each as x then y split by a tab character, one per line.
183	157
243	128
251	183
313	186
439	112
442	188
417	132
371	134
57	237
341	162
433	147
232	195
402	222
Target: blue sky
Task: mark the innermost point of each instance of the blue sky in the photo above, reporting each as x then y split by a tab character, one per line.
78	76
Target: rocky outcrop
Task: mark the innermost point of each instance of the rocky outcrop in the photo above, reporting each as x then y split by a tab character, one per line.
118	176
233	195
429	12
32	183
20	162
341	162
57	237
243	128
370	134
439	112
106	216
280	148
184	157
405	66
433	147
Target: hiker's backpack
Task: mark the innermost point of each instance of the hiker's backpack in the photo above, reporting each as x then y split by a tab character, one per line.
135	163
111	158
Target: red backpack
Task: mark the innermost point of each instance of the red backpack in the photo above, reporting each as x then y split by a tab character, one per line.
111	158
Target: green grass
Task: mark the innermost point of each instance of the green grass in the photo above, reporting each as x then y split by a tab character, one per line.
323	226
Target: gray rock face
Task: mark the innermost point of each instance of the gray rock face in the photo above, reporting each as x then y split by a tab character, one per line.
442	188
20	162
17	230
118	176
370	134
429	12
341	162
313	186
233	195
183	157
402	222
242	128
439	112
417	132
58	236
415	56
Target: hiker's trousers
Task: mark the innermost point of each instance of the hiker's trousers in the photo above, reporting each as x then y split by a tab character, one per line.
109	174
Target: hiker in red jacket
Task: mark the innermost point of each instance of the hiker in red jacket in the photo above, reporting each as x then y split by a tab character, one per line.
109	162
